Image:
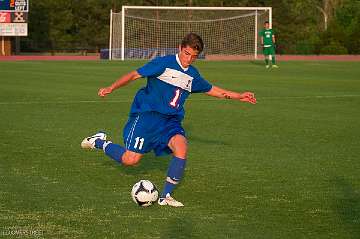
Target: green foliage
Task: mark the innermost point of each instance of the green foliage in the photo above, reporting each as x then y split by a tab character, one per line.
349	18
299	24
68	24
334	48
308	46
343	34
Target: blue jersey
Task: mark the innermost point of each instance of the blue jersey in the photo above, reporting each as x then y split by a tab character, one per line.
168	86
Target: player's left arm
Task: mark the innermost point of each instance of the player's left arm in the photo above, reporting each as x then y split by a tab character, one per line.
226	94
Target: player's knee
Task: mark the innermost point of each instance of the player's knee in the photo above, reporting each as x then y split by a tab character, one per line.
130	159
178	145
180	153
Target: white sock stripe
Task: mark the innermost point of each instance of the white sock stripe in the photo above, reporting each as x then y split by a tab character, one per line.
106	143
170	180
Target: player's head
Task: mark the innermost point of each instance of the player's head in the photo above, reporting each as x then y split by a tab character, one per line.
194	41
191	46
266	24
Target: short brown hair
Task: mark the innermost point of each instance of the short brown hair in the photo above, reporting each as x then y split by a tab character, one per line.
194	41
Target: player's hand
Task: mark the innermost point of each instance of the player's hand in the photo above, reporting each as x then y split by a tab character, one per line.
104	91
248	97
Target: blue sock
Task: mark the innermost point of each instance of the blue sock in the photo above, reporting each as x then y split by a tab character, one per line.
168	188
114	151
174	175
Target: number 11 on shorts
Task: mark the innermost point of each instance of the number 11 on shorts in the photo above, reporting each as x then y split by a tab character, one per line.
137	141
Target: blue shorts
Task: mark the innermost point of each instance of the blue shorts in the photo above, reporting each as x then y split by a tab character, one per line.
151	131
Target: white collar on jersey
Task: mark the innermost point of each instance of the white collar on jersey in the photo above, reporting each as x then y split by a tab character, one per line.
178	61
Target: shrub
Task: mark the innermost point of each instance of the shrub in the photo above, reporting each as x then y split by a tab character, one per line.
334	48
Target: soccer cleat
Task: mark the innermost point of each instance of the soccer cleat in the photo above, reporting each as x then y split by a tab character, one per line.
267	66
275	66
168	200
89	142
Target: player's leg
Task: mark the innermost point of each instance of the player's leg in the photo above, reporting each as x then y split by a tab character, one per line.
114	151
267	61
273	60
266	56
178	145
118	153
130	158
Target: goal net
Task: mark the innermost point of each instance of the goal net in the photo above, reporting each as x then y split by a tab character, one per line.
147	32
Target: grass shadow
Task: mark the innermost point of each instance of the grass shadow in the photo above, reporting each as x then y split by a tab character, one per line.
149	163
207	140
258	63
178	228
347	205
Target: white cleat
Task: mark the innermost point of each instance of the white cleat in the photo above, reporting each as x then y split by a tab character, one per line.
89	142
168	200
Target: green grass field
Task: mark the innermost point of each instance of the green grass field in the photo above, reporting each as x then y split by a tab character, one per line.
287	167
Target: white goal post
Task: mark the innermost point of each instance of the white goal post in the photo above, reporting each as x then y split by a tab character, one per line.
145	32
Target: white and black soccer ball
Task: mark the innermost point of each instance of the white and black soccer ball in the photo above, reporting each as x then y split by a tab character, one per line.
144	193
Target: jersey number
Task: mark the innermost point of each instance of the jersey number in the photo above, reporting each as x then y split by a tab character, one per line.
174	101
137	141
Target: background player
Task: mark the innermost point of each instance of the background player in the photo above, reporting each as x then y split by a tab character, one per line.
157	111
267	37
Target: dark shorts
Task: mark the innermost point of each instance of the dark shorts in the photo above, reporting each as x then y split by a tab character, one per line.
269	51
151	131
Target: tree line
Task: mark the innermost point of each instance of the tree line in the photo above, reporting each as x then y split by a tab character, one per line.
301	26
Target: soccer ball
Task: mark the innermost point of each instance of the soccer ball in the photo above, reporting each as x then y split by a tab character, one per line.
144	193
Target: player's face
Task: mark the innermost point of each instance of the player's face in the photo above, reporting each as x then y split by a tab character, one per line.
267	25
187	56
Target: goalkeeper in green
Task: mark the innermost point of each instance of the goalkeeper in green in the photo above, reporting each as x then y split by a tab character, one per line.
267	37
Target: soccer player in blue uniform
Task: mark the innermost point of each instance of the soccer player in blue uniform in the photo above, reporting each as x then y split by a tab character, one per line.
157	112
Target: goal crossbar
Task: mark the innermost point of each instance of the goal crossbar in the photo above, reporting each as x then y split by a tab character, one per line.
196	8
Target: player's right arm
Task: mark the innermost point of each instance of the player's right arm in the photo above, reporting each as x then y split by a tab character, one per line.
124	80
261	38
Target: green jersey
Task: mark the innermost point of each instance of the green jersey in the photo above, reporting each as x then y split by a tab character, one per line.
267	35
